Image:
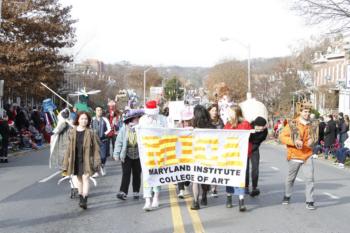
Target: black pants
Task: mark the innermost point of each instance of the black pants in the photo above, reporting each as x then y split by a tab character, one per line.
181	185
4	148
131	166
255	160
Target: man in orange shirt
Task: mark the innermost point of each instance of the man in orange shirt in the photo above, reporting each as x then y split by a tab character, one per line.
299	136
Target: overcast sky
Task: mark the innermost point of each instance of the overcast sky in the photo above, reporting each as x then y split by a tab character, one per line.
184	32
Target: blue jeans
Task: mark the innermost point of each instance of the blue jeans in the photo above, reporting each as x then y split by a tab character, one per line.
104	151
341	154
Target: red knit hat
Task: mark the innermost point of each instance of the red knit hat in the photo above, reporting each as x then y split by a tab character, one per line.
151	108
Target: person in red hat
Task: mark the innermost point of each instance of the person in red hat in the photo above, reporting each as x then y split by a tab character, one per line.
152	118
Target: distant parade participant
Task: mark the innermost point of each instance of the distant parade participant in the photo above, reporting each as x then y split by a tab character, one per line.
299	136
237	122
219	124
186	123
152	118
102	128
201	120
126	150
82	157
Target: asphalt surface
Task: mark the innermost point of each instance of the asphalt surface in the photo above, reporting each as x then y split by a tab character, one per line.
27	205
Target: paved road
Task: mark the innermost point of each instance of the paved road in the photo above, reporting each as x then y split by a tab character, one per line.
29	206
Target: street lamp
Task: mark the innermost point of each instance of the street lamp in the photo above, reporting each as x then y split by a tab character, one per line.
247	46
144	85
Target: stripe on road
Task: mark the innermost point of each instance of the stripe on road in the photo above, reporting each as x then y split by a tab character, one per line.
175	211
196	221
275	168
50	177
331	196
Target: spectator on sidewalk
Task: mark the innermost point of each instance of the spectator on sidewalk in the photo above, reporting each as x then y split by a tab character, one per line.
330	135
4	133
343	152
343	128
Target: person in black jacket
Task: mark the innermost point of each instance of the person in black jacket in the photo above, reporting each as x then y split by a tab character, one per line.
330	134
259	124
343	129
4	131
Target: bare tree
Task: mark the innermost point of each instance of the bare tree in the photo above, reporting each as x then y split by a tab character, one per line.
334	13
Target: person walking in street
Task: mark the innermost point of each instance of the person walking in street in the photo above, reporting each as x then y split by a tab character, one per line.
260	127
330	135
82	157
219	124
186	123
102	128
126	150
300	137
201	120
237	122
4	133
152	118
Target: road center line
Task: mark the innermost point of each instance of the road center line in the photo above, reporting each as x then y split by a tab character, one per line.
331	196
196	221
175	211
50	177
275	168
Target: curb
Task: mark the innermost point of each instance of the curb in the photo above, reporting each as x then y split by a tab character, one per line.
22	152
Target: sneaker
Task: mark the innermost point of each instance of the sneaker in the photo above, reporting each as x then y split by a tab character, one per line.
136	195
181	194
242	207
95	175
204	200
155	203
341	165
215	194
121	196
246	191
147	207
255	192
103	171
310	206
315	156
286	200
195	205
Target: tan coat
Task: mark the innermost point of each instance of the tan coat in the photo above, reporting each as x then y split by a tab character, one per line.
91	152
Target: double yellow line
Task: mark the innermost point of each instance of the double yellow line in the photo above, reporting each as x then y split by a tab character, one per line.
176	213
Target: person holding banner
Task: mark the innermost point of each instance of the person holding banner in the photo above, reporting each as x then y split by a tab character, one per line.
82	157
237	122
126	150
219	124
186	122
152	118
300	136
201	120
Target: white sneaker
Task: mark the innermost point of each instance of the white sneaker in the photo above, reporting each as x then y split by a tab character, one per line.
103	171
155	203
147	206
181	194
341	165
315	156
95	175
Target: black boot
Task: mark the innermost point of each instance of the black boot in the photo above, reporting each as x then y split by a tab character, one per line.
242	207
81	201
84	204
229	202
255	192
204	200
195	205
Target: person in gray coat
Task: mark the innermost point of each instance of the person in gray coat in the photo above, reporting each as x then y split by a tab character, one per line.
126	150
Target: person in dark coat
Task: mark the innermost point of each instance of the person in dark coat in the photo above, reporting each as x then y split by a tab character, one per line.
259	124
4	132
343	128
330	134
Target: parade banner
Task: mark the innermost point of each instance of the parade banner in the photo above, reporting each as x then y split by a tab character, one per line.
207	156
